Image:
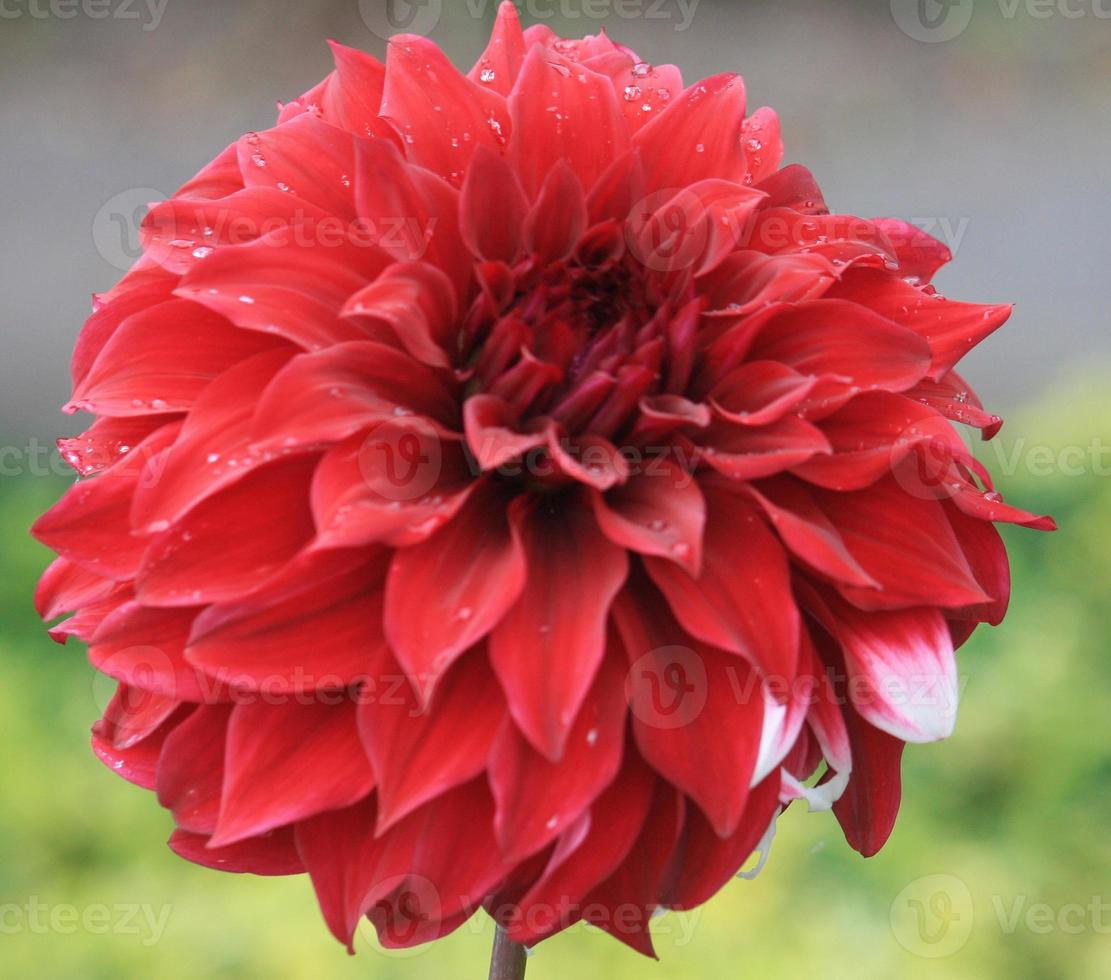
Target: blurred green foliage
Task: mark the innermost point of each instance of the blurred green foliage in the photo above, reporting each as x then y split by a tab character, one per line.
1012	812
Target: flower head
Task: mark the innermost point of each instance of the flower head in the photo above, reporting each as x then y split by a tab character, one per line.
511	488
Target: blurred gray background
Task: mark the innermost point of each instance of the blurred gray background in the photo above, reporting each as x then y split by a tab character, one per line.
985	121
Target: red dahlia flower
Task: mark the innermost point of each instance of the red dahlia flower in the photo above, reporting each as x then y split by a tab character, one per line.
509	490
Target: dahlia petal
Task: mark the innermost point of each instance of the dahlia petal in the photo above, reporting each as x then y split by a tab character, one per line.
134	715
619	188
794	188
90	524
270	643
870	804
138	763
904	543
920	255
537	799
624	903
306	158
616	820
272	771
763	143
872	435
751	453
352	96
834	337
212	450
987	557
697	136
705	862
658	512
952	329
500	63
191	768
748	280
199	562
144	648
419	747
398	485
760	392
281	285
442	115
742	601
409	212
416	302
954	398
182	232
107	318
161	359
573	573
446	594
901	668
587	459
492	435
327	396
273	854
66	587
492	208
563	111
558	218
703	737
808	532
643	91
108	440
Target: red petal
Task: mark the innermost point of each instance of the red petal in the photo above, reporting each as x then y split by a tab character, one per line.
697	716
492	208
416	303
422	749
742	601
904	543
353	94
442	115
808	532
563	111
213	448
834	337
268	854
501	62
445	594
705	862
273	773
325	397
228	544
161	359
868	808
537	800
615	822
659	512
191	768
548	647
697	136
271	642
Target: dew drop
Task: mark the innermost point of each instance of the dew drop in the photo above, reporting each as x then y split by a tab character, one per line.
248	300
642	69
632	93
487	75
